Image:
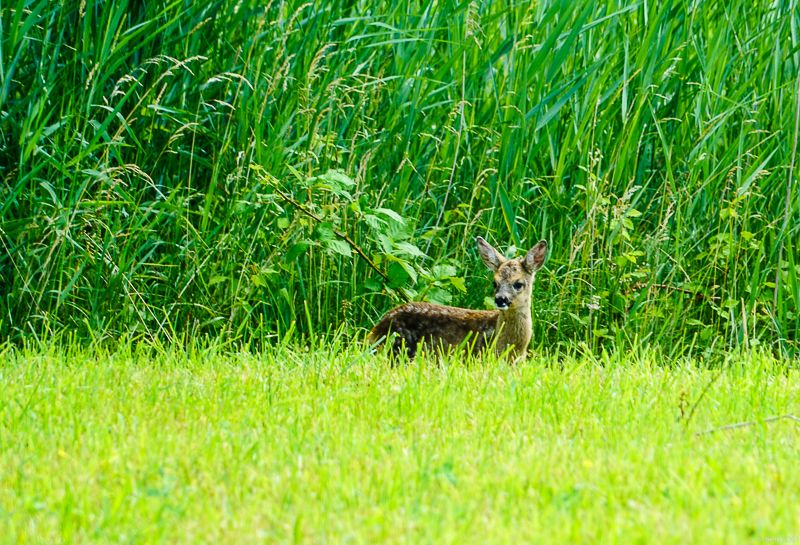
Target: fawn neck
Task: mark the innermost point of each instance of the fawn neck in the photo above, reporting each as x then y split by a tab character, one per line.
514	328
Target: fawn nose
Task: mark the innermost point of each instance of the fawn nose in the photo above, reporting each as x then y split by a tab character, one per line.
501	302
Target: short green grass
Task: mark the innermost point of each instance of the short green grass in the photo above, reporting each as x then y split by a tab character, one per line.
332	445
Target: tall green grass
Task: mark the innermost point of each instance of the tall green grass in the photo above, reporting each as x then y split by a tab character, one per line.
175	169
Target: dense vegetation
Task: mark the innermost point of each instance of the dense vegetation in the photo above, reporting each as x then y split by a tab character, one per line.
174	169
245	187
334	446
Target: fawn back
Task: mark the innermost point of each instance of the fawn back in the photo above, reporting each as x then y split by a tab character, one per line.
439	327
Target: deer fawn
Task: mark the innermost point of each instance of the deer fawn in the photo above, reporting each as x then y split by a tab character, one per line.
439	327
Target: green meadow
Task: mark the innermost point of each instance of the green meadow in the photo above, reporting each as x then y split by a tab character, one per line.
332	445
205	205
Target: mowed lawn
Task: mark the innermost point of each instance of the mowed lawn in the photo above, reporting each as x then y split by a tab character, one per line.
333	445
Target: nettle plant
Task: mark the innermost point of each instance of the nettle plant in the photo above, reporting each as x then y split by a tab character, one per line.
337	238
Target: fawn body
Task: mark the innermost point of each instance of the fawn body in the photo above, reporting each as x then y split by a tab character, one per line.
440	327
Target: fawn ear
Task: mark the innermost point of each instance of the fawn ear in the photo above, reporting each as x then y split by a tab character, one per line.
490	256
534	259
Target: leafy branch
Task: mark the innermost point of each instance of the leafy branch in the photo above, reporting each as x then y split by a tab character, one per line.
337	232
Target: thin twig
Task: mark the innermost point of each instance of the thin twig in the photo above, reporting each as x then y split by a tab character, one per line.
701	396
738	425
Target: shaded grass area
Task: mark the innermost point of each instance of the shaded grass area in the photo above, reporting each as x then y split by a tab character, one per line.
326	445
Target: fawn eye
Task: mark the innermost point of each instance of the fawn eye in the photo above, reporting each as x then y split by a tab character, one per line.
495	285
519	285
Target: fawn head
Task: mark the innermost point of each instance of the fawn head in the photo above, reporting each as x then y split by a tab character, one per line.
513	278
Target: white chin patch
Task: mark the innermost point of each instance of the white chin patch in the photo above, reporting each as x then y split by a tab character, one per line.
502	307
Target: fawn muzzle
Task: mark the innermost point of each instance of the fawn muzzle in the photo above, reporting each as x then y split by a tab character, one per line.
502	302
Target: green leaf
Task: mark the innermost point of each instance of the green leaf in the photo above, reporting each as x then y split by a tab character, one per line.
372	284
409	249
374	222
216	279
338	246
443	271
335	181
324	231
391	214
400	271
439	296
458	283
338	178
297	249
398	276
